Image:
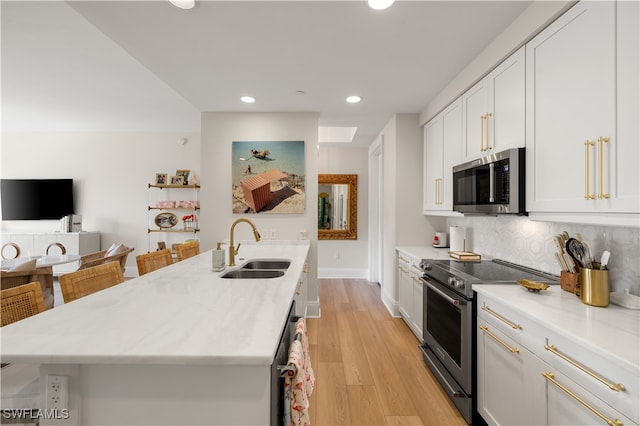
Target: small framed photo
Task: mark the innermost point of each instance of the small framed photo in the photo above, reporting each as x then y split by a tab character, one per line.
177	180
161	178
184	173
162	245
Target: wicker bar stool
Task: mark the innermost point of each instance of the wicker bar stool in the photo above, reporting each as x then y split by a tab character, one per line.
90	280
149	262
186	250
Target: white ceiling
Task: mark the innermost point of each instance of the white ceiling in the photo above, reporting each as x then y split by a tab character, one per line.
148	66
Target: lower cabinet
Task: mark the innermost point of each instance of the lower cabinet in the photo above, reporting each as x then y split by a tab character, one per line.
410	302
524	378
300	297
510	388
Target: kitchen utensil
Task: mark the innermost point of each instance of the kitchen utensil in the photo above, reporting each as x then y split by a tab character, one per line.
586	246
577	251
604	259
564	255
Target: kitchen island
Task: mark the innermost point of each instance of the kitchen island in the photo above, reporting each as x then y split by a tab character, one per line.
177	346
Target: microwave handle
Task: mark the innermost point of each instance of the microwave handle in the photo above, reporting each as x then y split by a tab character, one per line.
492	176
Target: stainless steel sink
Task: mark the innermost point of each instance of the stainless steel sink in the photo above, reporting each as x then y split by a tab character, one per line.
267	264
253	273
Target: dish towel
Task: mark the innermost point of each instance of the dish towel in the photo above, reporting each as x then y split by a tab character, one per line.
299	387
310	380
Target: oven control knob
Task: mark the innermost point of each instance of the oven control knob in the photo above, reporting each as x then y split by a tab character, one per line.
425	266
459	284
451	281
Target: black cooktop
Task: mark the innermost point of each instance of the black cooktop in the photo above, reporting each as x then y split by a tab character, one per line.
492	271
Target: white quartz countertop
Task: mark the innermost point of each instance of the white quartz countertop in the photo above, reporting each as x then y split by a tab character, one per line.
181	314
613	331
425	252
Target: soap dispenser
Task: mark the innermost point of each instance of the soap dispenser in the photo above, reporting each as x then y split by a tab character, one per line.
217	260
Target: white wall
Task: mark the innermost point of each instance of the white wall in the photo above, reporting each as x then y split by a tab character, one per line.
110	171
346	258
219	130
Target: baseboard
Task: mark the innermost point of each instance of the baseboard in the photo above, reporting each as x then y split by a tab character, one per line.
391	305
343	273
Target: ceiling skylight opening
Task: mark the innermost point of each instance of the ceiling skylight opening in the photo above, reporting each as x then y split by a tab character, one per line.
183	4
248	99
380	4
336	134
354	99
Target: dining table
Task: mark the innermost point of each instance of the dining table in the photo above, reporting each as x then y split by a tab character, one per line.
47	260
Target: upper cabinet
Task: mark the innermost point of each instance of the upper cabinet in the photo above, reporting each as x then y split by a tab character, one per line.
494	110
582	112
442	150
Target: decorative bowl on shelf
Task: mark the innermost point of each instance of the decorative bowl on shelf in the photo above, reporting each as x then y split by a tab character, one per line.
166	220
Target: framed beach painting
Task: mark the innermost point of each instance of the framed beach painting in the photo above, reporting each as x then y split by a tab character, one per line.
268	177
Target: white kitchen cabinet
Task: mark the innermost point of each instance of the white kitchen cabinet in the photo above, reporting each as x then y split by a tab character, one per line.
507	372
493	110
529	373
582	112
300	296
442	151
410	292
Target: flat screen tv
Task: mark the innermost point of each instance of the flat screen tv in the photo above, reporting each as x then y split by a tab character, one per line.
36	199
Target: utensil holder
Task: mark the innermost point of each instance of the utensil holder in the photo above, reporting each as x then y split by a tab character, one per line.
593	287
569	281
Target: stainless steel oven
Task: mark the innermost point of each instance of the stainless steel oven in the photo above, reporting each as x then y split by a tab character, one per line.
448	334
449	348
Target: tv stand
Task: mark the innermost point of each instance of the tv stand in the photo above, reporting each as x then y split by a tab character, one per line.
36	243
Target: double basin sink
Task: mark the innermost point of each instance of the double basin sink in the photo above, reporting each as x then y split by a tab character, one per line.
259	269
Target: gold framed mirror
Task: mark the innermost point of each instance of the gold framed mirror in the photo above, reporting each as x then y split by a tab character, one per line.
337	207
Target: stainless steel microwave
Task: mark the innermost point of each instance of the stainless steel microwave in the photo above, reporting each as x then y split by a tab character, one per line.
494	184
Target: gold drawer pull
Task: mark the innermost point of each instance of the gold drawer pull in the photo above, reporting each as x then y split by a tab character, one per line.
403	259
482	118
587	165
601	141
486	131
550	377
416	268
614	387
499	340
503	319
299	287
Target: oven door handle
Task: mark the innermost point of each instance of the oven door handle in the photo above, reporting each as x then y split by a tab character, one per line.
492	182
450	299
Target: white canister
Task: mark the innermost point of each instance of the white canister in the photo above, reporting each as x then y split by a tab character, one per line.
457	238
441	240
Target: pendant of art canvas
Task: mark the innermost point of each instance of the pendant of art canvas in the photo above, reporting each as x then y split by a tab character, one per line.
268	177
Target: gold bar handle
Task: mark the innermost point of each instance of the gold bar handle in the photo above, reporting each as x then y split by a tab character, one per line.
550	377
587	195
499	340
501	318
482	118
486	130
601	141
614	387
299	287
403	259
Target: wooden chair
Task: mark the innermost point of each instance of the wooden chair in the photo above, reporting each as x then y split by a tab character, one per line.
100	258
187	250
149	262
42	274
20	302
90	280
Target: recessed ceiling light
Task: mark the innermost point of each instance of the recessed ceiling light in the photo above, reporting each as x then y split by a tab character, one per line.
380	4
183	4
353	99
248	99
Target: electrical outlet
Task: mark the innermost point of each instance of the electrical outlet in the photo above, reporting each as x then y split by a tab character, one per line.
57	392
272	234
336	255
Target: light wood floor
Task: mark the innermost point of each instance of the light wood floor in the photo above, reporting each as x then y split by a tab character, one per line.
368	368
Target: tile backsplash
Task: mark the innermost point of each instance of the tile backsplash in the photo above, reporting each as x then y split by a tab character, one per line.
529	243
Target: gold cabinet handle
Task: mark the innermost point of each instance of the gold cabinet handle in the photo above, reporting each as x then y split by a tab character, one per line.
416	280
587	193
499	340
501	318
299	287
486	131
482	118
550	377
417	268
403	259
601	141
614	387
